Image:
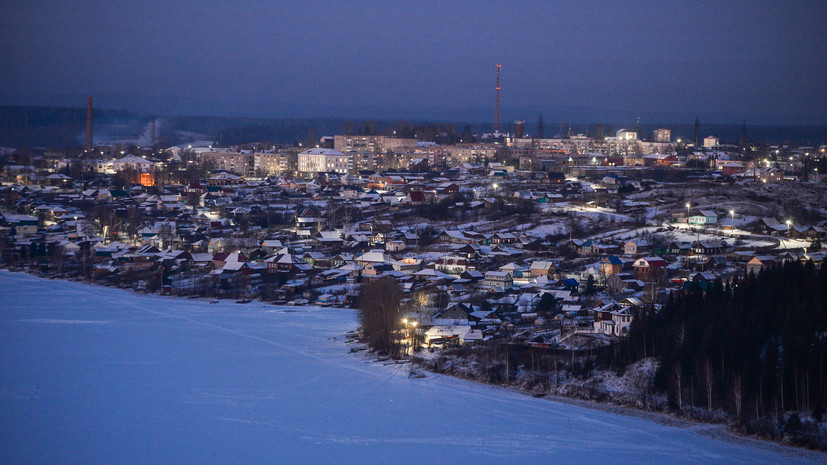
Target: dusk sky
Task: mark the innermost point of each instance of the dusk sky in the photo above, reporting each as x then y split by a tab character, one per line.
668	60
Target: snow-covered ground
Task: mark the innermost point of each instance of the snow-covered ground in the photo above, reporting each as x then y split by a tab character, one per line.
99	375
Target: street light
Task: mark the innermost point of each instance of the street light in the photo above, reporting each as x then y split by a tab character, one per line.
407	334
413	340
732	220
687	214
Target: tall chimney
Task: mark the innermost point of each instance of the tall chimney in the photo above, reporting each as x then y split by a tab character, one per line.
89	122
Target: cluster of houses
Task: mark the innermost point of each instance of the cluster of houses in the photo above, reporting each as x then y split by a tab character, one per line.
291	240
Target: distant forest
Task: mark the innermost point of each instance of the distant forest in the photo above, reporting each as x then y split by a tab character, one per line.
60	127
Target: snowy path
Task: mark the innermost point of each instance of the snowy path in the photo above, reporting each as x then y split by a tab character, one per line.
97	375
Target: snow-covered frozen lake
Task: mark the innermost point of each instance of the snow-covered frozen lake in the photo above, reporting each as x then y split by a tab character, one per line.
93	375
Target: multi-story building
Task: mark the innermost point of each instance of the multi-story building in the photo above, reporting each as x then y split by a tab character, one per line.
240	162
374	144
627	134
581	144
271	163
662	135
323	161
711	141
131	161
469	153
362	161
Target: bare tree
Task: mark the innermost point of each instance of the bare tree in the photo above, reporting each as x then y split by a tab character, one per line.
379	314
166	232
708	384
737	395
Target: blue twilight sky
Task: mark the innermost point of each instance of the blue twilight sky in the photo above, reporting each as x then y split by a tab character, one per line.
765	61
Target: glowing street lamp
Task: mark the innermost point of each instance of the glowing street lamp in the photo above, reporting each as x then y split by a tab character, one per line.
687	214
413	339
732	220
407	334
409	340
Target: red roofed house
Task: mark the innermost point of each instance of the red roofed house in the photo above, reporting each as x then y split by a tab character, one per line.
649	268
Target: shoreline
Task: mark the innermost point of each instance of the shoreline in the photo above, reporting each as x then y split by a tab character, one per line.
717	431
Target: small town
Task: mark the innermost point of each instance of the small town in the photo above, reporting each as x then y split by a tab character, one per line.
546	242
413	232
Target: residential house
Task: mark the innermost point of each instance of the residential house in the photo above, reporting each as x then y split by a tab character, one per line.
769	226
502	279
373	256
649	268
377	269
636	246
703	217
760	262
679	248
713	247
613	322
453	265
542	268
454	315
611	265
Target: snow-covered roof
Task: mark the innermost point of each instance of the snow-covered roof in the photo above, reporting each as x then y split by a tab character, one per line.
320	151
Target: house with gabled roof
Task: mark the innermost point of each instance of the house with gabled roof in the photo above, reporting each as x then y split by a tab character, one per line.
453	265
373	256
457	314
710	247
542	268
611	265
679	248
760	262
636	246
614	321
649	268
501	279
703	217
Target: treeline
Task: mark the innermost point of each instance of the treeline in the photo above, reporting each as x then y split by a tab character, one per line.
753	347
56	127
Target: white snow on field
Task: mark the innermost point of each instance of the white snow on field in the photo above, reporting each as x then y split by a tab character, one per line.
173	381
544	230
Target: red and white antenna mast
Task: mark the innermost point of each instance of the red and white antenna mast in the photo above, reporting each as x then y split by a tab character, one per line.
497	103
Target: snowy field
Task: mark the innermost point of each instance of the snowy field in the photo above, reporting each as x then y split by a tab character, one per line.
94	375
